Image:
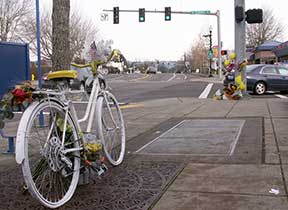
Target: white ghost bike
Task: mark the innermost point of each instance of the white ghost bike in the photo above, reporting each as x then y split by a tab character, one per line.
51	146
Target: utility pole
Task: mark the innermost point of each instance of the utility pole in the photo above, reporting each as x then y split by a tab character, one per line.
240	40
210	52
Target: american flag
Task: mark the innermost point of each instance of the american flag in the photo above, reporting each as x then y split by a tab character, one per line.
92	51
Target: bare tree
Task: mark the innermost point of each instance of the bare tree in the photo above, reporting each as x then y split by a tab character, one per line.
12	13
270	29
82	33
60	35
197	56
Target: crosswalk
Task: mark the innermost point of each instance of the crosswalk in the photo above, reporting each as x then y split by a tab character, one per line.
211	88
281	96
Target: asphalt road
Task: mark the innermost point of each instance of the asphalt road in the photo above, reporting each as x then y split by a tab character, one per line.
141	87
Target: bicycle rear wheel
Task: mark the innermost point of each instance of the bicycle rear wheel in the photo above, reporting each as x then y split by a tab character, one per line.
50	174
111	128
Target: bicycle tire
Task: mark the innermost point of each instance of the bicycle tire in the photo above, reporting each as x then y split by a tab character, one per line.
44	172
114	151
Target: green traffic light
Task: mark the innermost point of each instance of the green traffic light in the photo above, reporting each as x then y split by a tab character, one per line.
167	17
141	19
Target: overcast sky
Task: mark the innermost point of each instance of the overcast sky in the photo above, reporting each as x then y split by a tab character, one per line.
168	40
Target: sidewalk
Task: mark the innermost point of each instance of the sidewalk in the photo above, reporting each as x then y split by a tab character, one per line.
213	184
258	185
216	184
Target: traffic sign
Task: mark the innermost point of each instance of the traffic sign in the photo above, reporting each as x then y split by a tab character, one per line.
201	12
104	17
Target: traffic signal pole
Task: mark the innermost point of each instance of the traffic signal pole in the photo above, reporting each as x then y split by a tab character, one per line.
240	41
219	45
204	12
210	51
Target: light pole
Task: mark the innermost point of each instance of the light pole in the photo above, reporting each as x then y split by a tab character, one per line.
210	53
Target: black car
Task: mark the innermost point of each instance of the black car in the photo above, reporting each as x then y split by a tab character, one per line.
264	77
77	83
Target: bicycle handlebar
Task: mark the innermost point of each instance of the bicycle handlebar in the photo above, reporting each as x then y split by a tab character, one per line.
81	65
94	65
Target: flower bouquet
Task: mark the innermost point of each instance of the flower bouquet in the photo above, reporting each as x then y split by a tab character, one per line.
16	100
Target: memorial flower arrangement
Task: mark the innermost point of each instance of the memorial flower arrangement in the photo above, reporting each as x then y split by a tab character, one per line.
16	100
232	90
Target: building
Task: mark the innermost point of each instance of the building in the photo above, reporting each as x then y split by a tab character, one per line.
264	53
281	52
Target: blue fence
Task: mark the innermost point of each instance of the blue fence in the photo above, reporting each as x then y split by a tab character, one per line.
14	65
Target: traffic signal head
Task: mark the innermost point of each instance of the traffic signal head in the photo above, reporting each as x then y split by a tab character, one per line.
141	14
223	52
167	13
239	14
116	15
254	16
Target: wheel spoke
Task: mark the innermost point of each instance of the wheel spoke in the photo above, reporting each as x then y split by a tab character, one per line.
113	131
50	174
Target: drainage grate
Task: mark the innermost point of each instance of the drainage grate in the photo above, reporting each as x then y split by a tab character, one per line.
131	186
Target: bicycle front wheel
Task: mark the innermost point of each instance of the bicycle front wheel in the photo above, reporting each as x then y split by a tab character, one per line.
50	169
111	128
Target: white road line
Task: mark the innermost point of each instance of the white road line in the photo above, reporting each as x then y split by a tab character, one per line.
174	75
281	96
206	91
86	102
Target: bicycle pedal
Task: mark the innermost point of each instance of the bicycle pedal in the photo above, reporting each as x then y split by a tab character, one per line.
104	169
100	169
24	190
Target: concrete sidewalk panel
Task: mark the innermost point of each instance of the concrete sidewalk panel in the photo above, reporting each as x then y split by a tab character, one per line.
175	200
281	129
278	107
248	108
213	108
239	179
285	170
271	155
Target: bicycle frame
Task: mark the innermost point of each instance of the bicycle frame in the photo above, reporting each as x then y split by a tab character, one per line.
90	109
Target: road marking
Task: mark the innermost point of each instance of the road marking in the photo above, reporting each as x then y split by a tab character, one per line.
86	102
206	91
141	78
281	96
174	75
175	126
131	106
185	77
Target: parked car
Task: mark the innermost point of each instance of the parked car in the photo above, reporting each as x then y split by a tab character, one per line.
151	70
263	77
76	84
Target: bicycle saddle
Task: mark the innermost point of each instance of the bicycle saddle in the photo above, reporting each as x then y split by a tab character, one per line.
63	74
